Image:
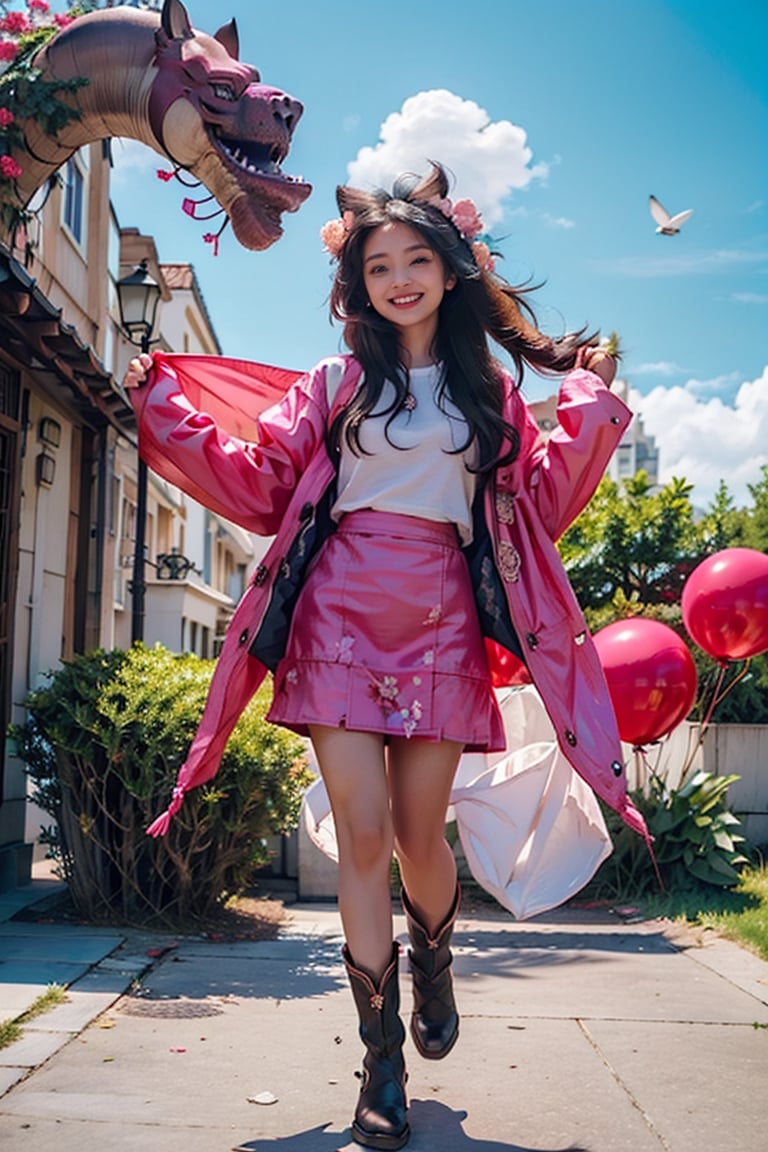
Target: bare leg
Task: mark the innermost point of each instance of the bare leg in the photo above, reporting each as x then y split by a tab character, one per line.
353	768
420	780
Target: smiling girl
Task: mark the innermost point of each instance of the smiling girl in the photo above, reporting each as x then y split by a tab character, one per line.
416	509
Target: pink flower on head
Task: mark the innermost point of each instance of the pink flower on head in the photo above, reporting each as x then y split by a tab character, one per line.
6	117
9	168
15	23
483	257
442	203
467	219
333	234
39	6
8	51
63	19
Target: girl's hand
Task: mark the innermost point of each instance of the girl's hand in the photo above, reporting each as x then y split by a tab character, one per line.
137	371
599	361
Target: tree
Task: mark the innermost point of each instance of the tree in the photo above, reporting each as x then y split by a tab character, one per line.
635	540
723	524
755	530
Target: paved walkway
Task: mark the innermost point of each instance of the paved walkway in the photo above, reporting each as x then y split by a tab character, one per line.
579	1031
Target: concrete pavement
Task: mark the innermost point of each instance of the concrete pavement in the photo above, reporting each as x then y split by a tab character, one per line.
579	1031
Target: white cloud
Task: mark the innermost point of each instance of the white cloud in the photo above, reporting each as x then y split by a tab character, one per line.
749	298
131	156
724	386
657	368
704	441
557	221
489	159
681	264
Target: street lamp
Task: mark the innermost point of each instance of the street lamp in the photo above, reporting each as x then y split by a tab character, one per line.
138	296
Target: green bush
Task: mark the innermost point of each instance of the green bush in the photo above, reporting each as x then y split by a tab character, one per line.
103	742
696	841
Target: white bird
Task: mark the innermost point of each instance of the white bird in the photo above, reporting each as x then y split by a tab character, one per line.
667	225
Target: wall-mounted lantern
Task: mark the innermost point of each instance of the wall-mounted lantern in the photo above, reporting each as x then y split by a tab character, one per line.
49	431
45	470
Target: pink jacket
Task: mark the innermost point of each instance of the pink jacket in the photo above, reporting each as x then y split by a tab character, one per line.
270	471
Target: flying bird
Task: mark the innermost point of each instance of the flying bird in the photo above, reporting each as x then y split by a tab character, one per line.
667	225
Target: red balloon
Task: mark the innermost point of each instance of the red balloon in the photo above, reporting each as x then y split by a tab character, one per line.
651	677
506	668
725	604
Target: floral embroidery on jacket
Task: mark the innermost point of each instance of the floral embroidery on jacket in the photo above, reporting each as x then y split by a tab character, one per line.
505	507
509	561
343	650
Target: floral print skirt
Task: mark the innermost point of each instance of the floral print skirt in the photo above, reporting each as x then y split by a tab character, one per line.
385	638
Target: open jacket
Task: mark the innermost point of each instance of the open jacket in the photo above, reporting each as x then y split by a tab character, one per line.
271	472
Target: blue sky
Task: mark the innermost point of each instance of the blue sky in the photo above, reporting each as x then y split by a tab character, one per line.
560	117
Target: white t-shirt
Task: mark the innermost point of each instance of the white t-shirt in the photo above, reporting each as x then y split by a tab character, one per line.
416	471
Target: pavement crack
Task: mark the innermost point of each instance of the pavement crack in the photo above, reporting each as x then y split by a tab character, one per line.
624	1086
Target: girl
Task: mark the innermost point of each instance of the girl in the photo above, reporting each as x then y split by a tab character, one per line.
416	509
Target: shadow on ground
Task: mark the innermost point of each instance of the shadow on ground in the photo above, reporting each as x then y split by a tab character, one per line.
433	1125
304	968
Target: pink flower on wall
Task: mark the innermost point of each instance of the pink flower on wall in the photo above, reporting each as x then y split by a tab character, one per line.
15	23
9	168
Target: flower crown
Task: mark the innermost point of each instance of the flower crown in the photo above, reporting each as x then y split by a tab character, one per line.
463	215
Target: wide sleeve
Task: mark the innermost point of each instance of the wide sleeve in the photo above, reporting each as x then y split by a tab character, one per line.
250	482
562	472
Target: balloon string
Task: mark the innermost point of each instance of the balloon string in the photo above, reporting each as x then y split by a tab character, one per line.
739	676
703	725
650	770
656	869
717	698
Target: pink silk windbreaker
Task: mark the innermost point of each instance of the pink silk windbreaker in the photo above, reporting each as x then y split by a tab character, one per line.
248	442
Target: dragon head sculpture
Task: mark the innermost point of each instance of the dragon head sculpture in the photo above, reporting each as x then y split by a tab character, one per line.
154	78
213	116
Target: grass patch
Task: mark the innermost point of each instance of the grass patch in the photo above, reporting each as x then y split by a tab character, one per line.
54	995
749	925
739	913
12	1030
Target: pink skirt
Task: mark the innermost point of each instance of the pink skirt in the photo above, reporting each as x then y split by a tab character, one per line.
385	638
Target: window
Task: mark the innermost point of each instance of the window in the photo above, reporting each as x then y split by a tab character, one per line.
73	211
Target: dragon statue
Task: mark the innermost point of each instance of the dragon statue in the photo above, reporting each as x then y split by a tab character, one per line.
154	78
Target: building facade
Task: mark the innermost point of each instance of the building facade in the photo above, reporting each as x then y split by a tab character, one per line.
69	469
637	450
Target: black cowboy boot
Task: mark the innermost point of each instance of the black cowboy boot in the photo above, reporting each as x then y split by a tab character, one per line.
434	1021
380	1117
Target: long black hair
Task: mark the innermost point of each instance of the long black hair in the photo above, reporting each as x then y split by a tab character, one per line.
480	305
